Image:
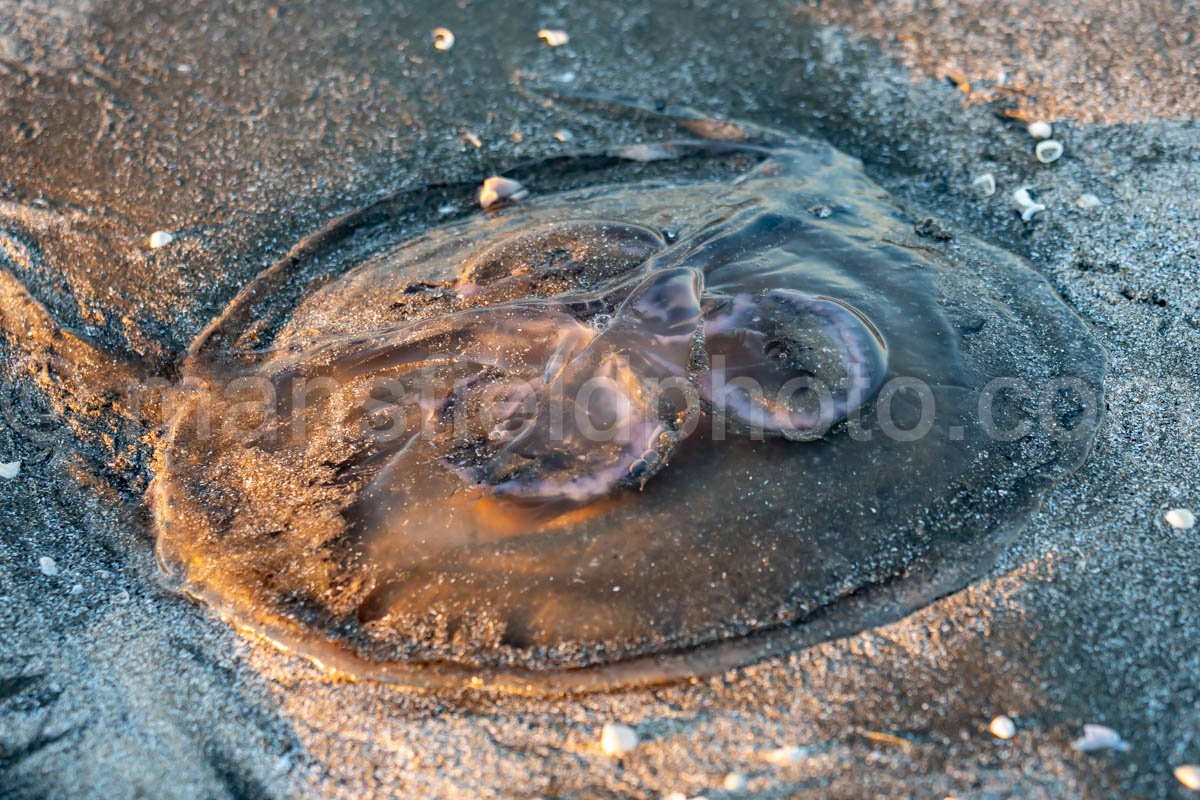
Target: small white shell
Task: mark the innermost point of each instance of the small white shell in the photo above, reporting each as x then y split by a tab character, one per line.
563	135
1189	776
160	239
985	184
617	739
10	469
1026	204
1087	200
1048	151
443	38
1040	130
1002	727
1099	737
785	756
472	139
497	189
48	566
1181	519
735	782
554	38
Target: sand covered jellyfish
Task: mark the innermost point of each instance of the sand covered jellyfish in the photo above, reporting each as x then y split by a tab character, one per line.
711	401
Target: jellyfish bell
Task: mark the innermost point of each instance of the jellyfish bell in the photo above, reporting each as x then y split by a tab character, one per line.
597	438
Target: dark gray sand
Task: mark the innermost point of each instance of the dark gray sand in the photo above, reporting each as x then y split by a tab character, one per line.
241	129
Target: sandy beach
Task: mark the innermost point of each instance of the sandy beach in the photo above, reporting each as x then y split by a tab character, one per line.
241	128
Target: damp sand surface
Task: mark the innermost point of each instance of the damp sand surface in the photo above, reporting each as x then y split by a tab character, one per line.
255	128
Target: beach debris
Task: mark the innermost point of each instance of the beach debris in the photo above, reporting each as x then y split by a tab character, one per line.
1026	204
160	239
472	139
497	189
1087	200
77	589
1048	151
1002	727
1099	737
10	469
1181	519
443	38
1189	776
887	738
552	37
1040	130
735	782
985	184
932	229
48	566
617	739
121	598
563	136
786	756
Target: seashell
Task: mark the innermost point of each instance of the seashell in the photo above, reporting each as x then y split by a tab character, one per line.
48	566
1026	204
443	38
10	469
735	782
1087	200
985	184
1048	151
1189	776
160	239
786	756
617	739
554	38
1181	519
1040	130
1002	727
497	190
1099	737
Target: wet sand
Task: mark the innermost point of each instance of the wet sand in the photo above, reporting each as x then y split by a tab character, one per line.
240	130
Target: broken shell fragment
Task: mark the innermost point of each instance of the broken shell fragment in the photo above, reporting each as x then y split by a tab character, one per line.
1048	151
498	190
443	38
1189	776
1099	737
1002	727
735	782
160	239
1026	204
617	739
10	469
554	38
1087	200
985	184
1181	519
785	756
1040	130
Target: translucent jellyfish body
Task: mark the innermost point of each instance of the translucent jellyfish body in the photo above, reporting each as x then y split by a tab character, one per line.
646	427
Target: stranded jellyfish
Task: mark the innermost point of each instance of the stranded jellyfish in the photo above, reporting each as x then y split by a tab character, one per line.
683	407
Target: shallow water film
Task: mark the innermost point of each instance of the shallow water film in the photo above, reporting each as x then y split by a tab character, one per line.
652	423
